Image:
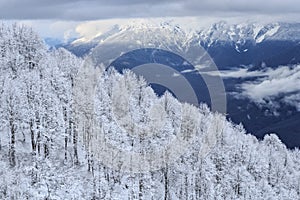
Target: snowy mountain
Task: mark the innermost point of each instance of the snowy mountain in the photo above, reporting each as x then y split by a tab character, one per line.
155	33
237	34
252	44
249	48
230	45
53	42
59	140
257	33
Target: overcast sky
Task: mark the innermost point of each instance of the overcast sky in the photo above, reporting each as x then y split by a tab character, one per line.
104	9
70	13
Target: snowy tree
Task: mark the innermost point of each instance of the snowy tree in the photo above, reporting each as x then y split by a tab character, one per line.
53	122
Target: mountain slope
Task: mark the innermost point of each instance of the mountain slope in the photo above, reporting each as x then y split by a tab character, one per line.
51	147
236	34
256	48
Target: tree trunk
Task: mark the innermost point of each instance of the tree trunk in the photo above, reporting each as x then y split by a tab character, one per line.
12	156
141	187
66	147
33	144
166	183
74	130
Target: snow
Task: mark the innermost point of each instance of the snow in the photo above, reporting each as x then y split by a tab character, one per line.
49	151
256	29
269	33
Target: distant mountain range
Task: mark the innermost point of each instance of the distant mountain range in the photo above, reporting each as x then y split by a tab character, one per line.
255	47
230	45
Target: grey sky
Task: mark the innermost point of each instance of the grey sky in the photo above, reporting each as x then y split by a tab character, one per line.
78	10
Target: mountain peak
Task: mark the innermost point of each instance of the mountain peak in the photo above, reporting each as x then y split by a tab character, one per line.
240	35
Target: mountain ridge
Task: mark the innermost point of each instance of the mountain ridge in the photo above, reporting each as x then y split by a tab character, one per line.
242	41
49	151
221	31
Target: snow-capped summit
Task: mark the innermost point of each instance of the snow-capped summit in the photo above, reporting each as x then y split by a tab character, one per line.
238	35
221	31
143	31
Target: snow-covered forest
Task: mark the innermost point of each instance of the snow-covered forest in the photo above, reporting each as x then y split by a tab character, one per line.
51	140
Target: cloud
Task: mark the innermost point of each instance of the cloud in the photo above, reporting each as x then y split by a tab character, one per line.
255	6
60	29
89	30
237	73
270	87
283	80
282	83
78	10
293	100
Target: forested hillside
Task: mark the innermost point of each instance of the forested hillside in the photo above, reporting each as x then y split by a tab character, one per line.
56	138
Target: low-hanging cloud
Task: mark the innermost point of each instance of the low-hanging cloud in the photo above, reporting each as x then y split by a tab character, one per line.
268	87
79	10
283	83
278	81
293	100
